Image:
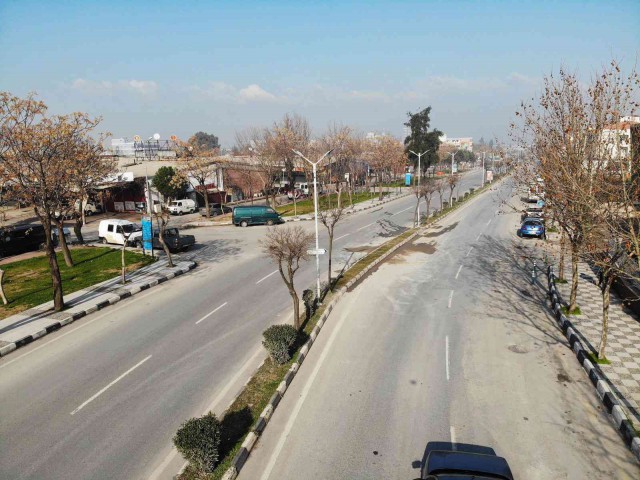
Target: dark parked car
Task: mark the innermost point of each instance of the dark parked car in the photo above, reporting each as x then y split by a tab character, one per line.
447	464
532	227
21	238
215	209
173	238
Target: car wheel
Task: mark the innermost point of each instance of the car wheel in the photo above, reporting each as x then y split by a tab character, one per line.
519	233
269	223
244	223
88	213
180	213
104	241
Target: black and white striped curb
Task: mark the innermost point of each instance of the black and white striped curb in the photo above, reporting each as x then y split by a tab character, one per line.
250	440
60	319
608	399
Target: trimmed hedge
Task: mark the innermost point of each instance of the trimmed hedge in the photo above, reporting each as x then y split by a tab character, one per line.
198	440
278	340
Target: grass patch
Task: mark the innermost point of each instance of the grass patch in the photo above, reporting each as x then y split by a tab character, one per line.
600	361
552	229
577	310
306	206
560	280
28	282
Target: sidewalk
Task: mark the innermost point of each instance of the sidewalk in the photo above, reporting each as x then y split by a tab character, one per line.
21	329
623	343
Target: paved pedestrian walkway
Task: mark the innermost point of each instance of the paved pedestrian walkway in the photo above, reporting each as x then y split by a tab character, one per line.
21	329
623	345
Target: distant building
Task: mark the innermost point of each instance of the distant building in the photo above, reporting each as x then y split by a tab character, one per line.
462	143
617	137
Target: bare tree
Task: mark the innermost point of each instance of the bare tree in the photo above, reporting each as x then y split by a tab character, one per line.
287	247
258	143
382	153
452	181
428	189
330	218
34	153
440	187
201	163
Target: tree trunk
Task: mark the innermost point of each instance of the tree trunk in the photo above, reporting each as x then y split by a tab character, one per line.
606	299
330	251
165	247
563	242
63	244
428	202
4	297
296	308
56	279
450	197
124	265
205	194
77	229
574	279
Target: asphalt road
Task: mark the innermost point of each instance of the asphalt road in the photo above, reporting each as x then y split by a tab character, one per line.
448	341
103	398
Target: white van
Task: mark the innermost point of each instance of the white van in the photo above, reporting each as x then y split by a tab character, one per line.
178	207
116	231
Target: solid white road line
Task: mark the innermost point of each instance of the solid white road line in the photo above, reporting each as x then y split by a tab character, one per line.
158	472
264	278
489	221
366	226
478	237
447	354
402	211
459	269
453	438
301	399
450	298
211	313
469	252
97	394
108	312
345	235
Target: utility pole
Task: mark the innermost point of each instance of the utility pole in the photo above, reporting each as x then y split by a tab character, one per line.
315	208
453	155
419	155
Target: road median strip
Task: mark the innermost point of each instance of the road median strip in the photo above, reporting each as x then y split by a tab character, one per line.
249	414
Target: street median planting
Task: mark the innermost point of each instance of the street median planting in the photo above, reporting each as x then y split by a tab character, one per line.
28	282
303	207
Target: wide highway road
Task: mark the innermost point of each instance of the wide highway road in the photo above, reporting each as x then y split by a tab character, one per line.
446	345
103	397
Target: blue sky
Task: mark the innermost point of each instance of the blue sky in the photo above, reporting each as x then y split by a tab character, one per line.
178	67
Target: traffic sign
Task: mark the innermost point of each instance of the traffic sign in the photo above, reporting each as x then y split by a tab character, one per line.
319	251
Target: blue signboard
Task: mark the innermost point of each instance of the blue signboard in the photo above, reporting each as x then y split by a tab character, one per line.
147	233
407	179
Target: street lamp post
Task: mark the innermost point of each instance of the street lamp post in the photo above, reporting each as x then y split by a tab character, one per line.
419	155
315	208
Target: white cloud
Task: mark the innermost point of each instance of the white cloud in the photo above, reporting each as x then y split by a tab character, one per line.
106	87
255	93
224	92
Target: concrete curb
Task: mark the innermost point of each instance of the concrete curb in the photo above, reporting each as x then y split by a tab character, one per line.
608	399
60	319
260	424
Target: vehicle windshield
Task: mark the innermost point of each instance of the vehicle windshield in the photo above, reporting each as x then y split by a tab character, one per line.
129	228
531	224
174	204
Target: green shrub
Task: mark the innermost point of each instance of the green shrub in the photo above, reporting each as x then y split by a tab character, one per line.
471	190
310	303
198	440
278	340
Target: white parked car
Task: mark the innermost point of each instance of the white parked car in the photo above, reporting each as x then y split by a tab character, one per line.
117	231
178	207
